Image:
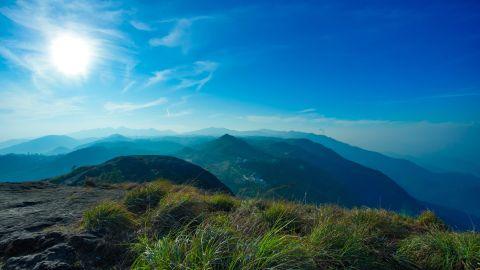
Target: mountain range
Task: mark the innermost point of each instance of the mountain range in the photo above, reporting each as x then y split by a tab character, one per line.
449	189
297	170
294	165
105	132
43	145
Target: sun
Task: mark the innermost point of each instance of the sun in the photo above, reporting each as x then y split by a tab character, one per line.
71	54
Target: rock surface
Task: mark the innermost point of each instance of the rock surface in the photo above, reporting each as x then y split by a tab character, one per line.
33	218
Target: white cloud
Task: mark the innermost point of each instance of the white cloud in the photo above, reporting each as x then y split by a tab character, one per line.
205	66
128	86
160	76
176	37
13	58
192	76
309	110
171	114
127	106
141	26
179	35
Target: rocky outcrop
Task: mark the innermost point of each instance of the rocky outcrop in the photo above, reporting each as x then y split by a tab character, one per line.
57	250
37	227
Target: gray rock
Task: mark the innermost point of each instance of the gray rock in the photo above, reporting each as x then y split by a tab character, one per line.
28	209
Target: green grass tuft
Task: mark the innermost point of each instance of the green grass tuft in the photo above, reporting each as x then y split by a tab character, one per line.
143	198
380	224
177	210
109	218
207	248
211	247
442	250
222	202
274	250
339	246
284	215
428	220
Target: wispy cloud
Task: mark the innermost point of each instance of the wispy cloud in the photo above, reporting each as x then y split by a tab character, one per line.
141	26
160	76
13	58
179	35
127	106
176	37
309	110
129	85
178	113
192	76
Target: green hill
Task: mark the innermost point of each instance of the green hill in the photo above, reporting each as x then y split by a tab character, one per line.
143	169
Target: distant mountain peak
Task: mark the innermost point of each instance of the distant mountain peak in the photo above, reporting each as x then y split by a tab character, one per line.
228	146
227	137
232	141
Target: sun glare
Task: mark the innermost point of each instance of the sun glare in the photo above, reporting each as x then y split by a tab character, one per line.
71	54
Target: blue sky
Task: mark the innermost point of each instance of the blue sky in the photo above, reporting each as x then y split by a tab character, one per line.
392	76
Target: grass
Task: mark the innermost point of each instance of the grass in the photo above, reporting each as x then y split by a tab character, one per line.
338	246
223	202
187	228
282	215
143	198
274	250
109	218
206	248
442	250
430	220
210	247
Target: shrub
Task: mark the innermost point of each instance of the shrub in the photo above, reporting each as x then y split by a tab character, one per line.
143	198
429	220
442	250
222	202
109	218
